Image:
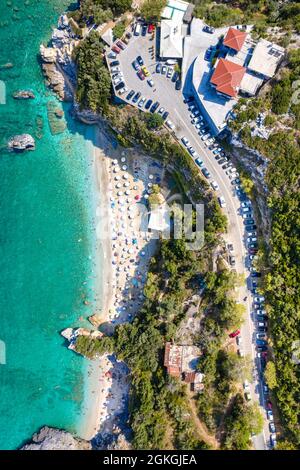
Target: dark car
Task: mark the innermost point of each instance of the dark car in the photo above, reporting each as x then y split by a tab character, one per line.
154	107
262	349
128	35
249	228
206	172
261	342
248	222
158	68
272	427
165	115
140	60
130	95
136	97
114	63
221	161
236	181
178	85
144	30
175	76
255	274
135	65
121	45
148	104
121	85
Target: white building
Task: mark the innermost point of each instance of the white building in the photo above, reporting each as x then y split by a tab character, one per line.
266	58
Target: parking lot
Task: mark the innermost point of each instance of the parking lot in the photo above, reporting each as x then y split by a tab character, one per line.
222	180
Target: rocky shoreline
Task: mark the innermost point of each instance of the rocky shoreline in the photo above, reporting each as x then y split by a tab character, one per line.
22	142
55	439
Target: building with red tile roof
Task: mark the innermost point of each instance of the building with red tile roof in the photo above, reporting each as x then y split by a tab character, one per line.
235	39
227	77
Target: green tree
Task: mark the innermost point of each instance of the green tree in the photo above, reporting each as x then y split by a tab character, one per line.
270	375
151	9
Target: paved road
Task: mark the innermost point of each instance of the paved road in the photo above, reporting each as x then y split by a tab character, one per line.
172	100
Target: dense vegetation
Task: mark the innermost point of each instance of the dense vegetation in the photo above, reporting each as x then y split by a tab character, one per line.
93	78
99	11
159	408
282	281
261	13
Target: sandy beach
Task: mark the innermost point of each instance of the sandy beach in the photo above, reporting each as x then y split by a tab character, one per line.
123	182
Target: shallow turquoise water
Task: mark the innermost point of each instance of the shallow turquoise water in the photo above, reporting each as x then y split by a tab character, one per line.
46	239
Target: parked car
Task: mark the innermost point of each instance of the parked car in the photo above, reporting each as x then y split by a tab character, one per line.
145	70
270	415
136	65
144	30
261	342
130	95
272	428
248	228
150	82
123	90
114	63
148	104
116	49
154	107
140	60
170	124
261	312
185	141
137	29
222	201
175	76
234	334
199	162
273	441
112	55
214	185
136	97
165	115
209	29
141	102
161	110
163	70
120	85
115	69
206	173
151	28
232	261
169	72
259	299
121	45
141	75
158	67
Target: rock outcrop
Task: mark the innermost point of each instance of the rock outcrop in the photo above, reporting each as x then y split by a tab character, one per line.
21	142
56	439
23	95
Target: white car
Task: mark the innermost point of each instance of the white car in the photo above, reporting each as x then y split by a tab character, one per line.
161	110
246	385
185	141
251	239
214	185
141	102
170	124
112	55
239	340
115	69
195	113
192	151
150	82
205	137
117	81
222	201
123	90
191	107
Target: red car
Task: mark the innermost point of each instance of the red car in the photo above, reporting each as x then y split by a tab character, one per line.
234	334
116	49
121	45
151	28
141	75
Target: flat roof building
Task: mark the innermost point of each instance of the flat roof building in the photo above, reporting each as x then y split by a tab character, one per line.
171	40
266	58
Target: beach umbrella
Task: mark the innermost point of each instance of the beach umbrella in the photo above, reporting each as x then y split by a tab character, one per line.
126	184
146	196
116	169
150	185
125	176
120	193
151	177
135	188
128	200
127	192
115	161
117	178
118	185
143	253
123	159
124	167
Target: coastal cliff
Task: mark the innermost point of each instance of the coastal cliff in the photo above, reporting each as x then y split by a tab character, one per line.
56	439
57	64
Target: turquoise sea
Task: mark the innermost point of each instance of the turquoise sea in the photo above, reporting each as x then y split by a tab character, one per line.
46	238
